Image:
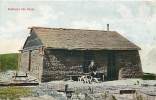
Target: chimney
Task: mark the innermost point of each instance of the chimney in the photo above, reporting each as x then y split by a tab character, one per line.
107	27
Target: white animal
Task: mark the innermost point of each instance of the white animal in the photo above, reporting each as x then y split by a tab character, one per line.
95	80
85	79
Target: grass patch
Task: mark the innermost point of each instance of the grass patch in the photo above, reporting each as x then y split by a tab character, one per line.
113	97
149	76
9	61
14	93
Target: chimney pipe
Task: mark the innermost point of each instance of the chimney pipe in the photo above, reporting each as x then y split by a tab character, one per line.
107	27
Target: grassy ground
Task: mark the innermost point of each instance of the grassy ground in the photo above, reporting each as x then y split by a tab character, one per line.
14	93
149	76
9	61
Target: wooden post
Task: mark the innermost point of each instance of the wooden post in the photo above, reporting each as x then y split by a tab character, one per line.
19	61
29	65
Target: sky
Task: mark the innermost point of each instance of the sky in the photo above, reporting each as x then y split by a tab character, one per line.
135	20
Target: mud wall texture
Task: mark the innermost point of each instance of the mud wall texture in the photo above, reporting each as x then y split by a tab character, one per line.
32	63
36	64
60	63
129	64
24	61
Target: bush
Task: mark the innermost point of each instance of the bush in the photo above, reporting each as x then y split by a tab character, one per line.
9	61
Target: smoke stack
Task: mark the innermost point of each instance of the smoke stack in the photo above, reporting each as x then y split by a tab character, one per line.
107	27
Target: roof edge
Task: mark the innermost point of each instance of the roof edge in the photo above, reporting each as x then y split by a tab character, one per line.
95	48
56	28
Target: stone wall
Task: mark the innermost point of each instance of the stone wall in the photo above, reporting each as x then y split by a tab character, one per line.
129	64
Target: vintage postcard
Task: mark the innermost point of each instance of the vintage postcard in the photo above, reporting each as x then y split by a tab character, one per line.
77	50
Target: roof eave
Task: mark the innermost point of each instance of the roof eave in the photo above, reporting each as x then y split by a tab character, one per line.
94	48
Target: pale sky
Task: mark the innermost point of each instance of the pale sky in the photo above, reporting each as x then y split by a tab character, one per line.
135	20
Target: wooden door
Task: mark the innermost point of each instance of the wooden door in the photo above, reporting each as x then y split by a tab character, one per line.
29	65
112	73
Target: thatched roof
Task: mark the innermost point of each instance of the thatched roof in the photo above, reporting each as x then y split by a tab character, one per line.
78	39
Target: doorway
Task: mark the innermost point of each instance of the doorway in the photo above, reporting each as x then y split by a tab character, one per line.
88	57
29	64
112	73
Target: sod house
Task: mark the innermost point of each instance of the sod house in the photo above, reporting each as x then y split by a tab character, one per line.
56	53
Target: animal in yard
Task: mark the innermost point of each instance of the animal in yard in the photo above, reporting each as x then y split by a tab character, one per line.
95	80
85	79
